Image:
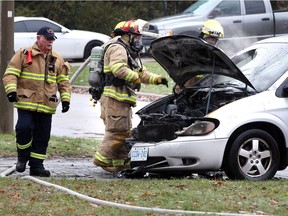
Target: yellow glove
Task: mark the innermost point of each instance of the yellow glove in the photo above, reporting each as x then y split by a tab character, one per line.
162	80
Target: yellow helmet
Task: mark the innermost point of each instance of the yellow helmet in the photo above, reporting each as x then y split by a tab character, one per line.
125	27
213	28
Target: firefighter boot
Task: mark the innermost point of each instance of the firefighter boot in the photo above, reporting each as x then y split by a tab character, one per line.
21	162
41	172
21	166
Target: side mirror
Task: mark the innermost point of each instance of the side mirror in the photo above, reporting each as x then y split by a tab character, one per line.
64	30
282	90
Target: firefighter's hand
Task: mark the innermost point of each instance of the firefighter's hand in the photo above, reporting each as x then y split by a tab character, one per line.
12	97
137	81
65	106
162	80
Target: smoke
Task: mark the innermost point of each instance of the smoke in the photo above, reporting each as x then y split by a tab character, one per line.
231	46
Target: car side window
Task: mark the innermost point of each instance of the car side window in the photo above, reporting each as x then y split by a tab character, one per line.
229	8
254	7
20	27
35	25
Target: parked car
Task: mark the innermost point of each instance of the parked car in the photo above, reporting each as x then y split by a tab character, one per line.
71	44
244	21
234	119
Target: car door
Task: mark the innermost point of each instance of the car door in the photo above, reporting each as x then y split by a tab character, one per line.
230	17
258	23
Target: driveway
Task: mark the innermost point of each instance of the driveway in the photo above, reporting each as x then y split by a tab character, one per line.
82	119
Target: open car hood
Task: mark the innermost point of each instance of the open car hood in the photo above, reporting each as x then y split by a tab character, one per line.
184	57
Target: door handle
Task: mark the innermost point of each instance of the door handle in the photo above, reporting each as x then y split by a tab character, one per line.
266	19
237	21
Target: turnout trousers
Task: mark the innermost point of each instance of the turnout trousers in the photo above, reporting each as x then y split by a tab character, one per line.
117	117
32	136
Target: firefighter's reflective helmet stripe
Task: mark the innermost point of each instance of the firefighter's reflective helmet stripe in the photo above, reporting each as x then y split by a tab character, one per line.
109	162
37	156
34	107
25	146
213	28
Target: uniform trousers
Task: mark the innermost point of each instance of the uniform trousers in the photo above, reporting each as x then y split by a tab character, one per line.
32	136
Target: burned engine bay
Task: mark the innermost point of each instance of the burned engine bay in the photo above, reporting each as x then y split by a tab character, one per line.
162	119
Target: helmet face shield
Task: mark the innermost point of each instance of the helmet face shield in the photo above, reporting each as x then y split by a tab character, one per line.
136	43
211	40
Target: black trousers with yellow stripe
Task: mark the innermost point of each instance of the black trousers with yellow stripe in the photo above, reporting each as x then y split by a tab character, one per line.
32	136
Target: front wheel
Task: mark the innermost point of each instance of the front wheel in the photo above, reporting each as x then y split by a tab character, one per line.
254	155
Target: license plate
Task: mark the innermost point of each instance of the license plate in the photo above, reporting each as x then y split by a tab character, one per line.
139	154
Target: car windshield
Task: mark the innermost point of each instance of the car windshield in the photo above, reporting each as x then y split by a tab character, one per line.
199	7
263	64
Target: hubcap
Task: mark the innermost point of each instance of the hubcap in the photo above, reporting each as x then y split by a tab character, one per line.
254	157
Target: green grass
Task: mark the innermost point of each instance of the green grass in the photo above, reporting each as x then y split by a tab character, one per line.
154	67
24	197
58	146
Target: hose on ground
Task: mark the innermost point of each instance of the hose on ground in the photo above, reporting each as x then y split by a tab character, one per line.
112	204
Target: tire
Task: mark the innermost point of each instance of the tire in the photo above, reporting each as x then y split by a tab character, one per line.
254	155
89	47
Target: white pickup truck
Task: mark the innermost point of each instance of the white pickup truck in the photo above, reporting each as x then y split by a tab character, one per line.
244	21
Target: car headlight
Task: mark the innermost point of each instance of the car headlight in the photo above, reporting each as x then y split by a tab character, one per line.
165	32
197	128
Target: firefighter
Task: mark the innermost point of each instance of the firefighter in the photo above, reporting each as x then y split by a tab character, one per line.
211	31
124	74
31	81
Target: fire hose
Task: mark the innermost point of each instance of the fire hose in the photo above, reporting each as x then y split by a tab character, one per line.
113	204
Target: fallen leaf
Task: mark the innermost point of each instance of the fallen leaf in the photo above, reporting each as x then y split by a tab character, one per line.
147	194
94	205
274	202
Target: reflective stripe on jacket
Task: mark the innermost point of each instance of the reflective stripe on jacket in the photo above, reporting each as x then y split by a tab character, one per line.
37	84
116	64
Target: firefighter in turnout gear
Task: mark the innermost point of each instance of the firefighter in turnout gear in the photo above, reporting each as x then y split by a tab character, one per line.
31	81
124	73
211	31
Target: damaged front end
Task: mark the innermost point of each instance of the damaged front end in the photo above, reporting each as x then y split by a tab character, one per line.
185	112
182	114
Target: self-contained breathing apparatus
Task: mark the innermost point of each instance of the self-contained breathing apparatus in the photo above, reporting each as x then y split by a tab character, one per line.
96	74
98	79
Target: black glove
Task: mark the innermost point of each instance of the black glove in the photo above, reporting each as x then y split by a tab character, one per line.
65	106
12	97
163	81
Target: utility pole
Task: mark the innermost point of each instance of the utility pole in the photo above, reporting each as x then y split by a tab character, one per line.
6	53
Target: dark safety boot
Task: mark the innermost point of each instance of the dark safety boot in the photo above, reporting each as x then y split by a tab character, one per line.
21	166
41	172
